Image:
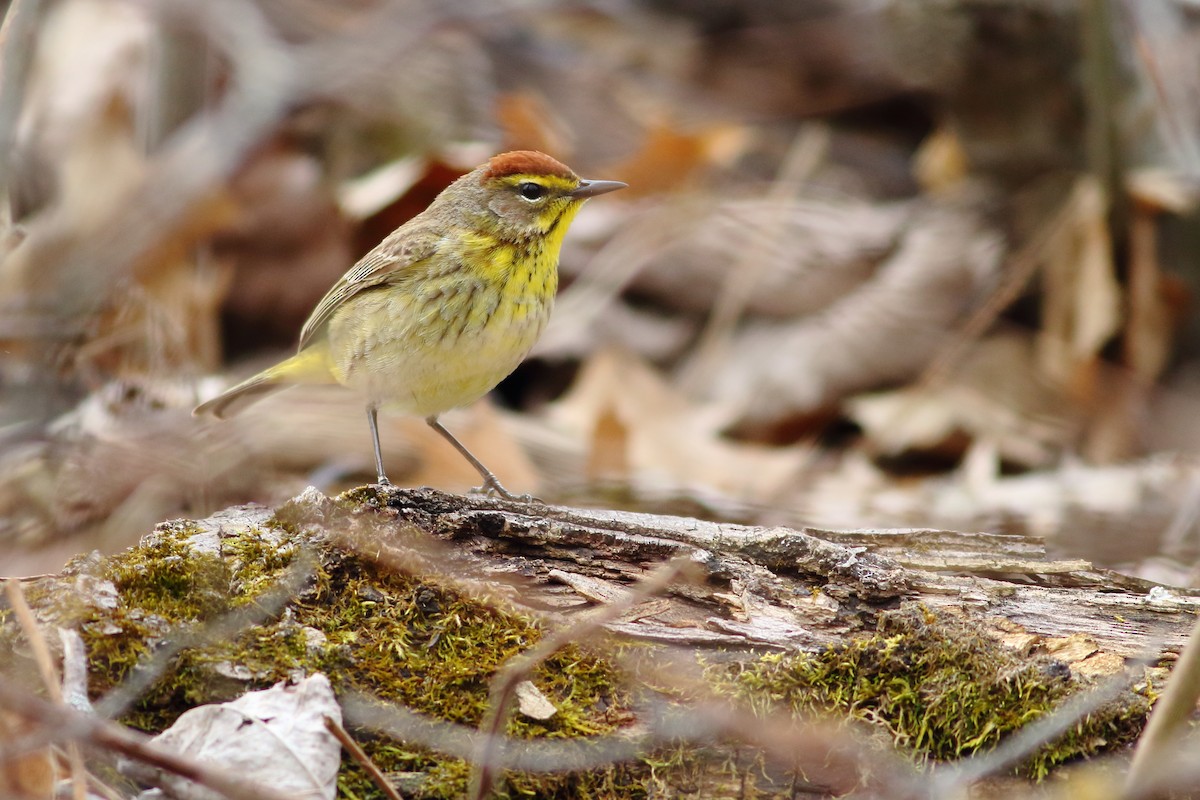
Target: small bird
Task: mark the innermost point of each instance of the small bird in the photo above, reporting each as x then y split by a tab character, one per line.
446	306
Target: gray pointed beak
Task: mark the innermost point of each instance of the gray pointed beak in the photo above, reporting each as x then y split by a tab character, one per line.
588	189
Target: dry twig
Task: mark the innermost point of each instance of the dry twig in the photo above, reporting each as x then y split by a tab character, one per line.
364	760
519	668
67	725
50	678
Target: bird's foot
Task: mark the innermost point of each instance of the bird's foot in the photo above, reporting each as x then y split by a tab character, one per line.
493	488
382	480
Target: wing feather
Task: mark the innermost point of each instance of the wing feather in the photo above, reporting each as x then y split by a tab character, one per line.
393	257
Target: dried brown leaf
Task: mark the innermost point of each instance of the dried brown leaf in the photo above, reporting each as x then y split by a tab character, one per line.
941	162
667	439
884	331
31	775
1081	299
817	250
996	394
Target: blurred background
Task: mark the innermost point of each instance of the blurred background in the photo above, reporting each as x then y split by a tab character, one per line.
881	263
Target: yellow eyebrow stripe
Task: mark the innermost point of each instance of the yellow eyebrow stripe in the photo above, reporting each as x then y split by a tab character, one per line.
549	181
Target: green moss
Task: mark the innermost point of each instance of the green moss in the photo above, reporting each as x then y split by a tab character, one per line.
367	496
167	575
433	650
402	638
939	688
933	685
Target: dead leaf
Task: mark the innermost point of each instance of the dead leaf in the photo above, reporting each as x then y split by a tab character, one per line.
33	774
275	737
1150	329
532	703
816	251
529	122
995	394
669	159
666	439
884	331
1081	300
941	162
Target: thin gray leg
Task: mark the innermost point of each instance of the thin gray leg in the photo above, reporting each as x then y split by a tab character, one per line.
491	485
372	413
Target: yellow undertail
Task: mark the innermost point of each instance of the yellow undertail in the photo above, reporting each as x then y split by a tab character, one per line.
310	365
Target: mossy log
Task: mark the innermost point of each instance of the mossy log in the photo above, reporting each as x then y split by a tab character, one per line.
418	598
799	588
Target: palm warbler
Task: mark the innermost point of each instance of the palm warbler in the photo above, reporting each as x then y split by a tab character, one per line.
446	306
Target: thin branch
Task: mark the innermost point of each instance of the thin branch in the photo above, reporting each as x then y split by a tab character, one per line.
519	668
364	760
67	725
16	39
1169	718
37	642
265	606
49	675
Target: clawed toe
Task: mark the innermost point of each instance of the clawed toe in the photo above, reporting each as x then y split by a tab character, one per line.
493	488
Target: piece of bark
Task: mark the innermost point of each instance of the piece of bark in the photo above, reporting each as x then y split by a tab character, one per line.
793	588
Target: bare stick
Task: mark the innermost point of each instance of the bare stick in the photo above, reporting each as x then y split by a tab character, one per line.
1170	714
364	760
828	753
264	607
16	41
49	675
68	725
953	780
37	642
518	669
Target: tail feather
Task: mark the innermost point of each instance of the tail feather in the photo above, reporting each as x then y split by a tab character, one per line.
310	365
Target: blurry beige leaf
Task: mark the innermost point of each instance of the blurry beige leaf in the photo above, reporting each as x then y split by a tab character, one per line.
995	395
608	455
97	170
369	194
585	320
1162	190
89	53
530	123
1081	299
882	331
1150	329
275	737
667	440
29	775
669	158
78	133
816	249
941	162
809	148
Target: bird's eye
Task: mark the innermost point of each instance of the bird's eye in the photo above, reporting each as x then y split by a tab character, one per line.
531	191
